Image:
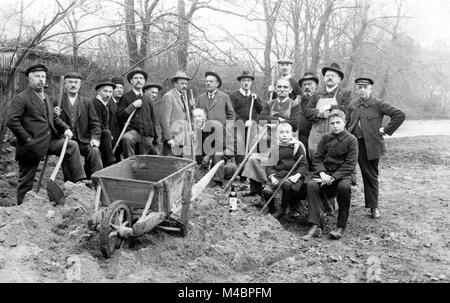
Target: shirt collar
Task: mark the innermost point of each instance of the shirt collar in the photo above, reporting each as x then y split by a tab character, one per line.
332	89
364	103
213	93
138	93
284	100
243	92
101	100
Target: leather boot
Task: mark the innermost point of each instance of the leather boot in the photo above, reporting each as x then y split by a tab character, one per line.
375	213
337	233
280	214
313	232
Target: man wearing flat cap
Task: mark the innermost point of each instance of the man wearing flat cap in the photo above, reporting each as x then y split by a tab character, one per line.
118	90
140	136
242	102
214	102
318	111
174	119
104	104
37	127
334	170
80	115
364	119
285	69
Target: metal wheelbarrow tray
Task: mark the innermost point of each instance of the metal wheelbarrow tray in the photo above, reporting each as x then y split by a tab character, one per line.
138	194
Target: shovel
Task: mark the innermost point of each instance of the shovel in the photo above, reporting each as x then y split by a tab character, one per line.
54	191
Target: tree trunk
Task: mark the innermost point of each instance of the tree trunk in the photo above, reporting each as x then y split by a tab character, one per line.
315	52
183	33
131	34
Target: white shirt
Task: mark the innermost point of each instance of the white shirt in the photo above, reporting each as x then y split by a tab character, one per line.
244	93
72	99
211	95
284	100
138	93
331	89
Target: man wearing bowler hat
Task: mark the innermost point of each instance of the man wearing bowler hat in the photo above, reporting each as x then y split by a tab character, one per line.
174	119
241	101
37	127
80	115
318	110
140	136
364	120
215	103
152	90
308	83
103	104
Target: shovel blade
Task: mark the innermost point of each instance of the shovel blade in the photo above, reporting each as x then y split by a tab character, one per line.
55	193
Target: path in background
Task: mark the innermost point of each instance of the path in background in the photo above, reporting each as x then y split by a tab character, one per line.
411	128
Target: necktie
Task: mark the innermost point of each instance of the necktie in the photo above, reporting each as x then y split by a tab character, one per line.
182	102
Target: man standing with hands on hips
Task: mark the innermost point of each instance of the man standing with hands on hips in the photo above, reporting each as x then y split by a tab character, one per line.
364	119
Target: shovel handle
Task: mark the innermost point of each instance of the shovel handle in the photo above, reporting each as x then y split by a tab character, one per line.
39	185
123	130
60	160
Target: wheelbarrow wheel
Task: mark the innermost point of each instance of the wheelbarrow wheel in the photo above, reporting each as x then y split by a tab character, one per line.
117	215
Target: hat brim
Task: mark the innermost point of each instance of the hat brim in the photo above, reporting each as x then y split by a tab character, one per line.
132	73
340	73
216	76
243	77
159	87
177	78
39	68
315	79
371	82
105	84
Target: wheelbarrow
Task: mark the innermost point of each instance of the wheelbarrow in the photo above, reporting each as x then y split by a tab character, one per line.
142	192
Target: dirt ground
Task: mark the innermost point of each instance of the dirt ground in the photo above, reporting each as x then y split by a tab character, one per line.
410	243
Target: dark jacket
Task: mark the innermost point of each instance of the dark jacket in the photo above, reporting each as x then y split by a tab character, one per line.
144	117
293	118
284	156
107	117
343	98
337	156
371	114
304	127
88	125
241	106
29	118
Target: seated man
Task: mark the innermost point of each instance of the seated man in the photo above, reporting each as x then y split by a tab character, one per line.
210	145
334	164
103	104
283	156
140	136
80	115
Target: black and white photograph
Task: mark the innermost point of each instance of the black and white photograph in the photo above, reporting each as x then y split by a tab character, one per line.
225	147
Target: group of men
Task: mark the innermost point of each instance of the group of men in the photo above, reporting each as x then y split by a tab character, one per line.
310	137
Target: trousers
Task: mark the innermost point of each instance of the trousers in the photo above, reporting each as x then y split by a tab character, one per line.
72	167
133	143
369	172
340	189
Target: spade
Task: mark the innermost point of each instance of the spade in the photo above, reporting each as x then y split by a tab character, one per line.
55	192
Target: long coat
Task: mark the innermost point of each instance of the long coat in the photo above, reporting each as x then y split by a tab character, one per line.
107	116
371	113
143	119
173	117
29	118
220	109
88	125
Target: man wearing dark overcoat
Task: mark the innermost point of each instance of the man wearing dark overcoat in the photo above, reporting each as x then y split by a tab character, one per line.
334	165
104	104
141	132
364	120
308	83
241	101
32	120
79	113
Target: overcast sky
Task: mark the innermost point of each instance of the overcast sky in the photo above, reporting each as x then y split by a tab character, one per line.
431	20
